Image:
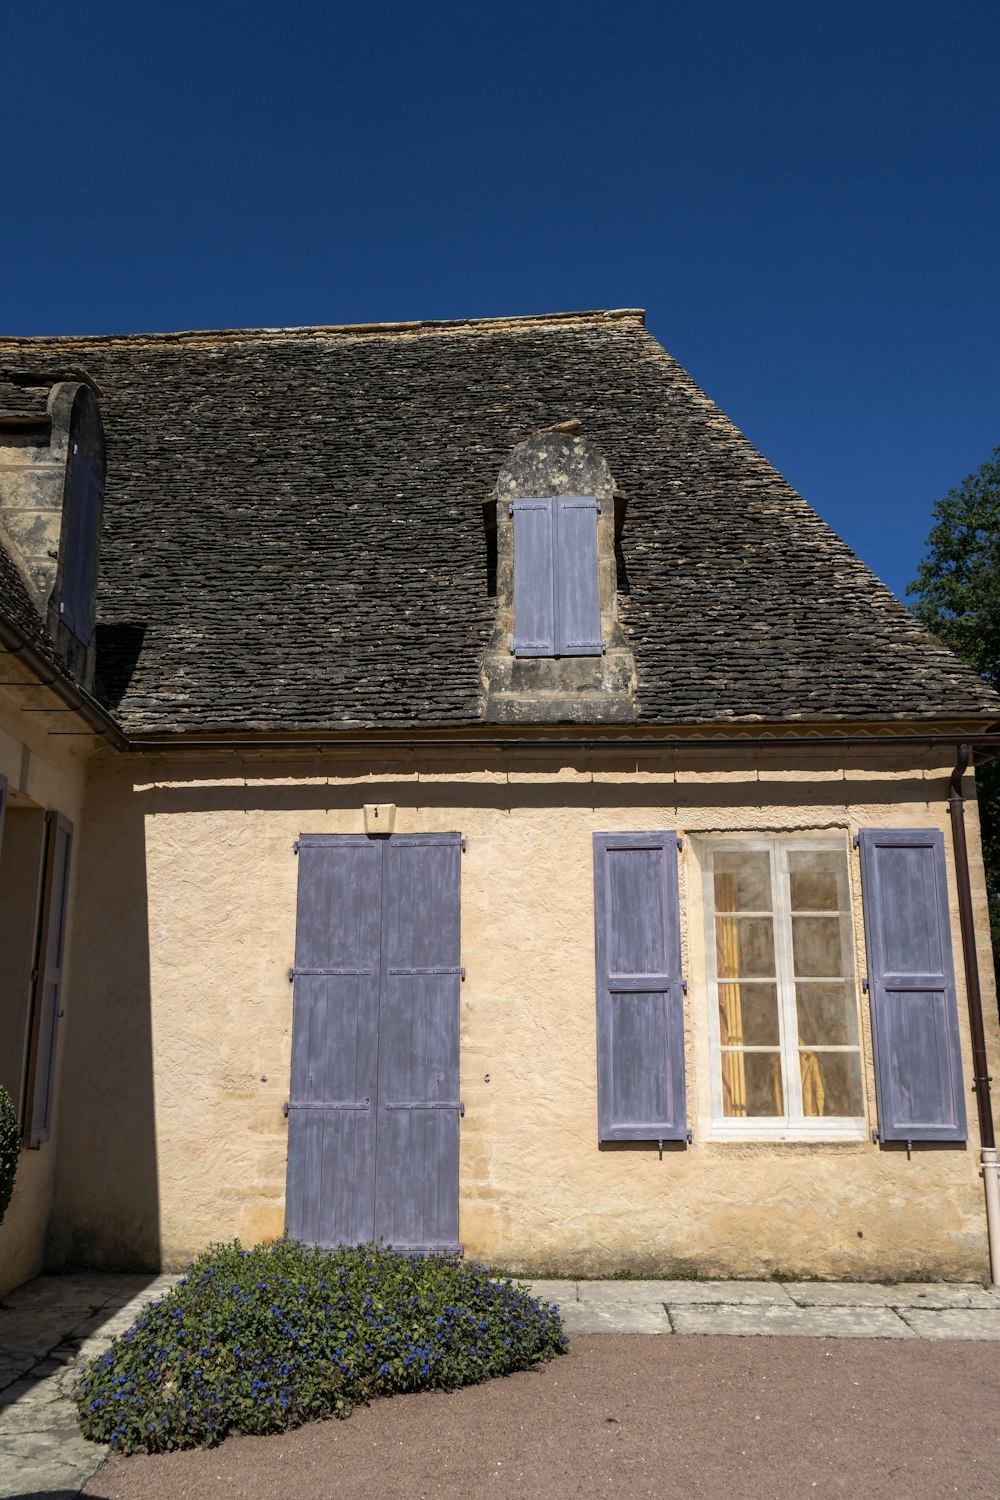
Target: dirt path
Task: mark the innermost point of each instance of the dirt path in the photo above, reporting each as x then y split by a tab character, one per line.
634	1416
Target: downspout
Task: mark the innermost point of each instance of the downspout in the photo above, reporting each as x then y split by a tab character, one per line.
988	1156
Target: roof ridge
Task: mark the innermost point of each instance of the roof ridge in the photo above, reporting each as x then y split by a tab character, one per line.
425	325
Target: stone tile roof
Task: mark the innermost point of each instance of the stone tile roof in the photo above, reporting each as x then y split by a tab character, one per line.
293	533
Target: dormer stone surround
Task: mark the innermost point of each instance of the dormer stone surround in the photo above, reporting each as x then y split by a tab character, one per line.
560	689
49	425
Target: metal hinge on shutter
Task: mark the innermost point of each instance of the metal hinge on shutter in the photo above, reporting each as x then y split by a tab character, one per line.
295	847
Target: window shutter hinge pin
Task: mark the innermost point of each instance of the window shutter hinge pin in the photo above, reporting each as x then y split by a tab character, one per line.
284	1109
680	845
660	1145
295	847
856	841
291	975
689	1137
464	846
864	985
875	1137
684	986
462	972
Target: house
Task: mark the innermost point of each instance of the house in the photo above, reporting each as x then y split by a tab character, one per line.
458	793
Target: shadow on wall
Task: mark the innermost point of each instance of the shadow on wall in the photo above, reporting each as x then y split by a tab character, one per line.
106	1206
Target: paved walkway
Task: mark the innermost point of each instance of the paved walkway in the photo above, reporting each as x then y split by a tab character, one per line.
51	1326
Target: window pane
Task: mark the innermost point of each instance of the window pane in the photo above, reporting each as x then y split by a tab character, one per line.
817	946
827	1015
751	1085
831	1083
748	1015
745	947
742	880
818	880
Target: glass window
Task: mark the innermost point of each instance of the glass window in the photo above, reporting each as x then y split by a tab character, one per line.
786	1055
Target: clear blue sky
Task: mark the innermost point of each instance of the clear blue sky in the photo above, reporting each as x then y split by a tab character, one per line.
803	194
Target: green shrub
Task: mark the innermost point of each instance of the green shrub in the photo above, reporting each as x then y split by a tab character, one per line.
262	1340
10	1149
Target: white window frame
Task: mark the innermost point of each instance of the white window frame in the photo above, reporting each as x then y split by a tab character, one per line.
793	1125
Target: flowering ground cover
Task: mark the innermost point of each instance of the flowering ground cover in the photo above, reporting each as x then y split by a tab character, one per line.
261	1340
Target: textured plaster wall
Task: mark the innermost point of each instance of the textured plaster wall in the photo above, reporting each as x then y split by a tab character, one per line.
537	1193
42	772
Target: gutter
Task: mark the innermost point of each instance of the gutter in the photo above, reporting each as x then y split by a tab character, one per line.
981	1077
418	740
49	676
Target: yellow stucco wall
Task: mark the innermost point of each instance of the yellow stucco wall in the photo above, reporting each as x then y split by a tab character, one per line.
44	771
180	1064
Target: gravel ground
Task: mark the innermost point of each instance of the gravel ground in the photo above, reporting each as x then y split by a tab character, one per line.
635	1416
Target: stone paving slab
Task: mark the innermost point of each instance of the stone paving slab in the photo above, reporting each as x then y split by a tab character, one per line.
906	1294
554	1291
581	1317
799	1322
953	1323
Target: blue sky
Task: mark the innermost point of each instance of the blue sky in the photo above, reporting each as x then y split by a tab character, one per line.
804	196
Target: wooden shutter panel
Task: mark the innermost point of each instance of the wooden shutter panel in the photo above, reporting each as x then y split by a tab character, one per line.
911	979
79	568
330	1196
534	578
47	989
416	1201
640	1008
578	605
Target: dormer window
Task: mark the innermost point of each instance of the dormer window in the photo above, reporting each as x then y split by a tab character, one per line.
557	607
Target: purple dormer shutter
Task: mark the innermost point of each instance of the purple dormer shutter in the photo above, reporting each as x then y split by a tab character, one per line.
640	1007
918	1064
79	560
557	609
578	606
534	578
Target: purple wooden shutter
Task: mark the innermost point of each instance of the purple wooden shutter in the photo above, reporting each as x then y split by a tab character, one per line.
47	989
534	578
640	1007
331	1114
79	567
578	605
911	979
416	1197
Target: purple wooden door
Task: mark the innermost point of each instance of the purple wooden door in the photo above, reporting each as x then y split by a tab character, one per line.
373	1113
416	1175
911	978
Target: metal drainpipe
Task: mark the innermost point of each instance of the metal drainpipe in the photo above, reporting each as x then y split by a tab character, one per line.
988	1154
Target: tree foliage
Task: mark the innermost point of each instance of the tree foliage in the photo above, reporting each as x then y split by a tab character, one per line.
957	596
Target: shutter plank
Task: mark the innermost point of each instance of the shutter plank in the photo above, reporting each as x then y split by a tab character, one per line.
640	1008
416	1202
911	976
331	1126
534	578
46	1007
578	605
